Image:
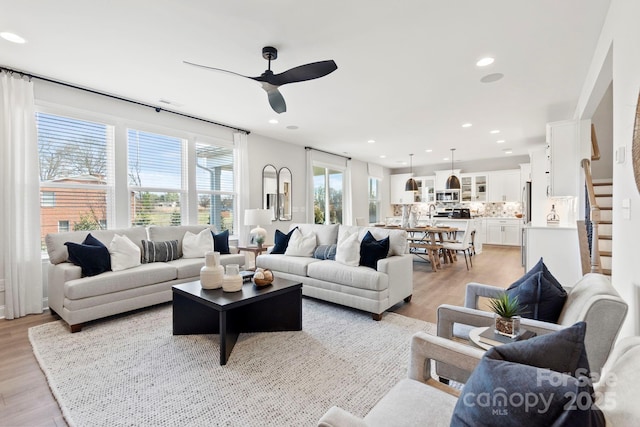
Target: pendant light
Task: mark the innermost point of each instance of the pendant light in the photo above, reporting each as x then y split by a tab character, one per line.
411	184
453	183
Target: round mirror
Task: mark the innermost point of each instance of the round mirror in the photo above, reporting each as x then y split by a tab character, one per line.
270	190
284	194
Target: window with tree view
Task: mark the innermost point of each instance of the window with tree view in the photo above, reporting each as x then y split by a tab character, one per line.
156	181
327	195
215	184
75	183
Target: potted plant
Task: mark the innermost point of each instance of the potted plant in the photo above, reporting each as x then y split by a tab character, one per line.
507	319
259	241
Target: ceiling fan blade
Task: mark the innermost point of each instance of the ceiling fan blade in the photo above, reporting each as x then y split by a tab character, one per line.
216	69
276	100
302	73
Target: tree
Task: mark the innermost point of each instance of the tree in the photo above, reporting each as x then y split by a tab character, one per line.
86	222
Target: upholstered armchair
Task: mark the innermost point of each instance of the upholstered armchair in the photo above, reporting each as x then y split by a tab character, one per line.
593	299
418	400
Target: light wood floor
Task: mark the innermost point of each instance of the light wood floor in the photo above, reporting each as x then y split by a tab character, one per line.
25	398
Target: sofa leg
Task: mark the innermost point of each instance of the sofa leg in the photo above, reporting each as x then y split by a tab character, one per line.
376	317
53	313
408	299
76	328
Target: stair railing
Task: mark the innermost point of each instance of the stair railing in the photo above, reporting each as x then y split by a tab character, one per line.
594	217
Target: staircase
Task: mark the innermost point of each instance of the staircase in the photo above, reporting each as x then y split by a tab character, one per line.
596	245
603	192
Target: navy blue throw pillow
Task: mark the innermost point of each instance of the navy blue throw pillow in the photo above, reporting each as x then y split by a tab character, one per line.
281	241
539	298
91	255
221	242
544	380
325	252
372	250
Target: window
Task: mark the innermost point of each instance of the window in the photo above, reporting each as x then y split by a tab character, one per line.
74	173
374	200
215	186
327	195
63	226
156	178
47	199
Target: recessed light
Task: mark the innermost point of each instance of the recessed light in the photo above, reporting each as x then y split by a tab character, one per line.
11	37
445	159
485	61
428	151
292	127
383	156
508	151
371	141
490	78
500	141
495	131
467	125
273	121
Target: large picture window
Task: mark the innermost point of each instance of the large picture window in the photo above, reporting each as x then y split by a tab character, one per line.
75	171
156	178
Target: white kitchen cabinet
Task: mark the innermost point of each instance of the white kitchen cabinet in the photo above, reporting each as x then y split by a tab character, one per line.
563	162
397	195
426	189
442	176
504	186
473	187
503	231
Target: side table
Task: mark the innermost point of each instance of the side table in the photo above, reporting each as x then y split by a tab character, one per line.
255	250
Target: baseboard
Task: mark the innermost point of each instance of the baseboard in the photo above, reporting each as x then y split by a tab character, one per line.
45	305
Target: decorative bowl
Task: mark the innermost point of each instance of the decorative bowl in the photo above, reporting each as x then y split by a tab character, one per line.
262	282
262	277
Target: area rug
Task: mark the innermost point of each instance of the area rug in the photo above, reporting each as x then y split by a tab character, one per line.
132	371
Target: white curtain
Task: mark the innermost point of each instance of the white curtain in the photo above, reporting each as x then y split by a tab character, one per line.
347	212
309	188
19	198
241	143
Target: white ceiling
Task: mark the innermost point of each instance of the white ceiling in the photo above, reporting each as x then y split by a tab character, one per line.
406	70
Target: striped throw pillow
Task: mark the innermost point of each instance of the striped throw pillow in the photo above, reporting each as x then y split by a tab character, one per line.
159	251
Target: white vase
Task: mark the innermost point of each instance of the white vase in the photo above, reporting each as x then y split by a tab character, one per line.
212	274
232	281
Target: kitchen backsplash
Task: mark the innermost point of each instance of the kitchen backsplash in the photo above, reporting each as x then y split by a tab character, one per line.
494	209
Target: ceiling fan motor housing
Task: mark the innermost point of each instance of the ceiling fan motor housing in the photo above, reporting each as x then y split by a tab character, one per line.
269	53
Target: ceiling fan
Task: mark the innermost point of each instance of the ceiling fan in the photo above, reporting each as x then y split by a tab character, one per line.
270	82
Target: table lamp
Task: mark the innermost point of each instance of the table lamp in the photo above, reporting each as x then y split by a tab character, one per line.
257	217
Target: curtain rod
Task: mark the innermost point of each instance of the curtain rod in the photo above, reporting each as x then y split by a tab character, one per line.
327	152
158	109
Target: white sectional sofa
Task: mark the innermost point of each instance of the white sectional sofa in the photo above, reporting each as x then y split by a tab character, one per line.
78	299
358	287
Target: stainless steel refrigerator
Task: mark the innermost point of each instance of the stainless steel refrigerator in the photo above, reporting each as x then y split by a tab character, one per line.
526	218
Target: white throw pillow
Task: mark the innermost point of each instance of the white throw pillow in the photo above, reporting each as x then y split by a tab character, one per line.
124	253
195	245
348	250
301	245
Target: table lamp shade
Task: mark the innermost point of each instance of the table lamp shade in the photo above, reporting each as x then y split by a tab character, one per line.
257	217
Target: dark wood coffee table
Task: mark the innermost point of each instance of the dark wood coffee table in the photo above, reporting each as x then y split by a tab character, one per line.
277	307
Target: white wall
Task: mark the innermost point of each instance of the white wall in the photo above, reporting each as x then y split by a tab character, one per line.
603	121
620	36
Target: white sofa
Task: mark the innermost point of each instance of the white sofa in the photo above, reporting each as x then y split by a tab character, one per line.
78	299
358	287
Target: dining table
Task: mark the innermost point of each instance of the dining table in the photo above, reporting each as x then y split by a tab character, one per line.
426	243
